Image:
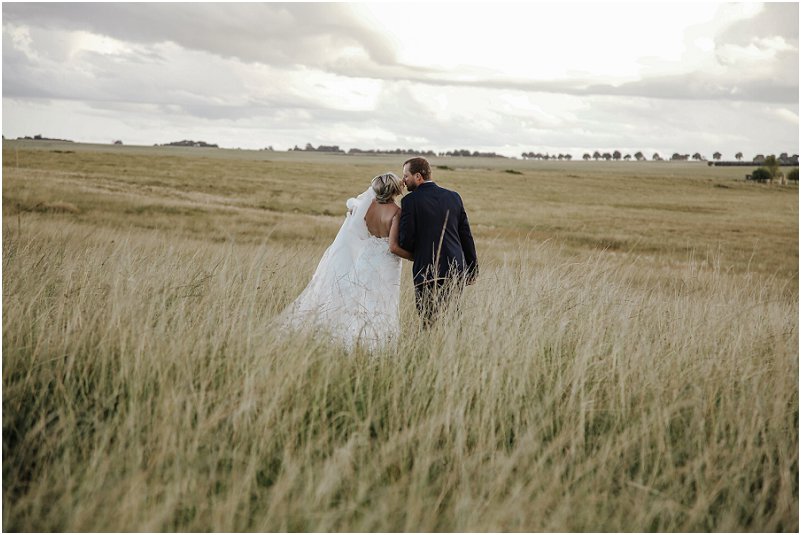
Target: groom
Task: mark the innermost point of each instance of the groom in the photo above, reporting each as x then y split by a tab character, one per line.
433	227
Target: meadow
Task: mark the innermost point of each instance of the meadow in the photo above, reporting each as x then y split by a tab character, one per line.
627	360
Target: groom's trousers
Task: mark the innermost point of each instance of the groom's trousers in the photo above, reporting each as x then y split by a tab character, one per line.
432	298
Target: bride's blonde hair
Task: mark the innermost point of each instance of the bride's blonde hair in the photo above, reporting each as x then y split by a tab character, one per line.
386	187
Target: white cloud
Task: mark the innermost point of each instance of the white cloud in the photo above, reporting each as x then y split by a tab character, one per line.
785	115
757	53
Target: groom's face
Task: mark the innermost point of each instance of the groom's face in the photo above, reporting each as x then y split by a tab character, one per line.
411	181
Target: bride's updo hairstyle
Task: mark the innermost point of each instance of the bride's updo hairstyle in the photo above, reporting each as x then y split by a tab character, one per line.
387	187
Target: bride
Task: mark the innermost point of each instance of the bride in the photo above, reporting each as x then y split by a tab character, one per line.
355	291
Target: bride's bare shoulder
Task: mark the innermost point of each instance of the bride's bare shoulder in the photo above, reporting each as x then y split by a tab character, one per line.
370	210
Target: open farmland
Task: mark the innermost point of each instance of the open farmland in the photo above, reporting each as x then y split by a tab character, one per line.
627	361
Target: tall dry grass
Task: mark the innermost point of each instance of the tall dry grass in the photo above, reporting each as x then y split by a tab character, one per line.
143	389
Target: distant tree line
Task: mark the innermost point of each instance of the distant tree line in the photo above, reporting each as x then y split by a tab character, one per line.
410	152
38	137
474	154
783	159
321	148
187	143
546	156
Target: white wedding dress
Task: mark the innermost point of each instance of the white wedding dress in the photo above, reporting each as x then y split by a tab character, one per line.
354	293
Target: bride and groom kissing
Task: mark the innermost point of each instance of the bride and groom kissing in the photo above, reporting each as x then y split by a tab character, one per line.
354	294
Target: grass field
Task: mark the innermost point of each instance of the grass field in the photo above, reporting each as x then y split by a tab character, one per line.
627	361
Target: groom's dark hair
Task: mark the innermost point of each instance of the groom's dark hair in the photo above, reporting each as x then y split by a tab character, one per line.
419	165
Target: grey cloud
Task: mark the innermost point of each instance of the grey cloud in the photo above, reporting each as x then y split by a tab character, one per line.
689	126
276	34
775	19
689	86
700	86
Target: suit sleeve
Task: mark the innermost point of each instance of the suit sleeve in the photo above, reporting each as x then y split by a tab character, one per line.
468	245
406	225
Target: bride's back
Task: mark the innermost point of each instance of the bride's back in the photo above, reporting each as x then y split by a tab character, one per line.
379	218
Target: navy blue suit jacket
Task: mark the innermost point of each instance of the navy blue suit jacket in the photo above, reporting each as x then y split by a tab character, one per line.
434	228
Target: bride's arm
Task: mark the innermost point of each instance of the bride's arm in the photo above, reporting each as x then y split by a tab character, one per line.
394	248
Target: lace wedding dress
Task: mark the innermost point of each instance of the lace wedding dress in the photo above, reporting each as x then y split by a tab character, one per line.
354	293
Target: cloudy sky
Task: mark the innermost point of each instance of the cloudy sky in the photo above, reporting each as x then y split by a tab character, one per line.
543	77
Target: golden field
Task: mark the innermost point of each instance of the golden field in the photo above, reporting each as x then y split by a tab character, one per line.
627	360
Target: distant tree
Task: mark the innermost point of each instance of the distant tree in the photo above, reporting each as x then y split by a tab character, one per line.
759	158
568	157
772	165
607	156
697	156
783	158
309	146
118	142
761	175
596	155
586	156
656	156
627	157
639	156
739	156
792	176
717	156
616	155
330	148
676	156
